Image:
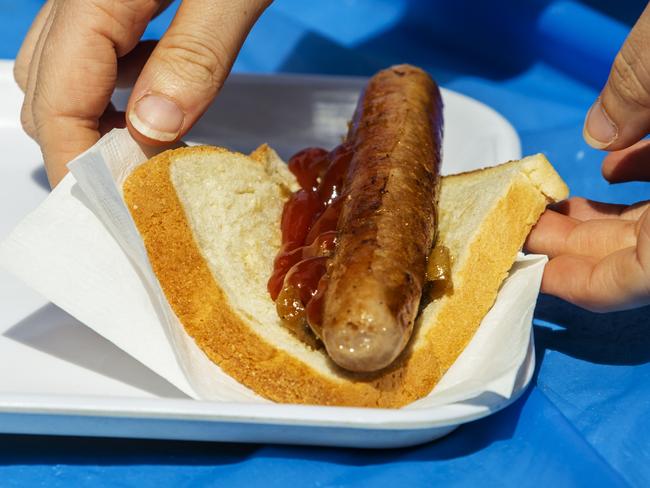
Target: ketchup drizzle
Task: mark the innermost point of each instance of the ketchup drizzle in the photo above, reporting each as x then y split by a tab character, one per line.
309	220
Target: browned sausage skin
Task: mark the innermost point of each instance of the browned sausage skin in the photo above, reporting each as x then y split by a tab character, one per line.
387	225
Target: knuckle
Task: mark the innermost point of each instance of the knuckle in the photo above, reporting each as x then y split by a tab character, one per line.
577	200
44	115
41	108
630	77
20	74
643	245
593	306
591	301
195	60
577	203
27	121
118	21
578	296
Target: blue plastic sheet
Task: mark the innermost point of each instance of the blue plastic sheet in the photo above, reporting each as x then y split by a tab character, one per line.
585	421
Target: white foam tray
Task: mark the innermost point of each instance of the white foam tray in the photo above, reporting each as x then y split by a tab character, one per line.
59	377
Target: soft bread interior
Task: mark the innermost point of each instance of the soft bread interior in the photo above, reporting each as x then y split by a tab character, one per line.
232	206
484	217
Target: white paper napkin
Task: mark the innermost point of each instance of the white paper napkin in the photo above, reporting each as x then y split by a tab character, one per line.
81	250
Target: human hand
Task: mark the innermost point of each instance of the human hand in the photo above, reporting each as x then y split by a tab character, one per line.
77	51
600	253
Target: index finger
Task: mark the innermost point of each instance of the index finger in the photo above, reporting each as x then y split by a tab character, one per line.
77	74
618	281
557	234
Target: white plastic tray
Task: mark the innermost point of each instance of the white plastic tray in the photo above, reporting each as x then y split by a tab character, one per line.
59	377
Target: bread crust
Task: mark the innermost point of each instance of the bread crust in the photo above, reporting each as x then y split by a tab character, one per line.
228	340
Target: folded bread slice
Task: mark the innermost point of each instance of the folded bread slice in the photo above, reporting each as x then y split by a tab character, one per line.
210	221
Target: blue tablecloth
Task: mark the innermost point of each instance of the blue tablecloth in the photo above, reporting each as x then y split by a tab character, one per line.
585	419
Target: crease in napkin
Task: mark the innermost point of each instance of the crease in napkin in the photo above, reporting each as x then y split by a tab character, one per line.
81	250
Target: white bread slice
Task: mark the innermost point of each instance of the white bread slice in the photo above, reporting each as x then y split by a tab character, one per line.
210	222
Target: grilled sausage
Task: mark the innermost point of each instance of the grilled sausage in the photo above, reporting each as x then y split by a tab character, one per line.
387	224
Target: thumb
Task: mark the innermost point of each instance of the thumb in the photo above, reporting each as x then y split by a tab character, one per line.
621	115
188	67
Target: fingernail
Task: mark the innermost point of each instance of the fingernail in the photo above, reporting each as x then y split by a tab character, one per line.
157	118
599	131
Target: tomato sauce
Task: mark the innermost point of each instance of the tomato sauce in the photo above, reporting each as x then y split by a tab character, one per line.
309	237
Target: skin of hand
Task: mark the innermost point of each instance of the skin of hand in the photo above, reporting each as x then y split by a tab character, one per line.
78	51
600	253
